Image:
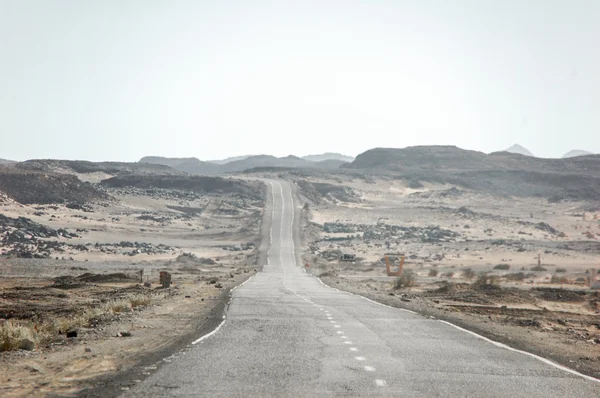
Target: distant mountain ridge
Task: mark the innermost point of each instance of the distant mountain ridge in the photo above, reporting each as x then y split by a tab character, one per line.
241	163
576	152
520	150
6	161
188	165
328	156
230	159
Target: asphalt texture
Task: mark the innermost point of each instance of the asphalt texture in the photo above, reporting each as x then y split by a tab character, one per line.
288	335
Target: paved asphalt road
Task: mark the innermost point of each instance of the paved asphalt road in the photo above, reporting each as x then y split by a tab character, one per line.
288	335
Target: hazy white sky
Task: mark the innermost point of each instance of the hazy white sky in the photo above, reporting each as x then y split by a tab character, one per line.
118	79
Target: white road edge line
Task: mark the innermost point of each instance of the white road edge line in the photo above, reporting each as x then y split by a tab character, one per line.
380	383
211	333
539	358
498	344
365	298
224	317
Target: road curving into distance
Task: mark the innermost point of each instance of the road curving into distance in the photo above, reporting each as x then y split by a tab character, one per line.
287	334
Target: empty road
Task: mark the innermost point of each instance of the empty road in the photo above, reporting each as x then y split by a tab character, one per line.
286	334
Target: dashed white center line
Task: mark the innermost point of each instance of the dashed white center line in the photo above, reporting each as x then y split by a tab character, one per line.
339	332
344	337
369	368
336	326
381	383
348	342
353	349
360	358
332	321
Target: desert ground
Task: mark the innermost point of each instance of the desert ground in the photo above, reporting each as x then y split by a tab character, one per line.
515	269
80	296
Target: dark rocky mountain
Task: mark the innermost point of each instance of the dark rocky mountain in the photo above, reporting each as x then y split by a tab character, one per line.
519	150
499	172
576	152
328	156
43	187
188	165
6	161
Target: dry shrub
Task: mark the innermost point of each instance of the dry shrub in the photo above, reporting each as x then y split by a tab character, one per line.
517	276
468	274
433	272
139	300
538	268
559	279
503	267
116	306
486	281
407	279
13	332
561	270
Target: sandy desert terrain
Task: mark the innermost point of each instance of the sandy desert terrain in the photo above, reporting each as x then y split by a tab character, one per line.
80	298
512	268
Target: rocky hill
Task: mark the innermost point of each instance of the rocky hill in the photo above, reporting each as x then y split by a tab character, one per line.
198	184
499	172
6	161
41	187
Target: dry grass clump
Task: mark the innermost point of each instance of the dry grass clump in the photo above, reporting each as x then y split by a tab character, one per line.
468	274
559	279
407	279
28	334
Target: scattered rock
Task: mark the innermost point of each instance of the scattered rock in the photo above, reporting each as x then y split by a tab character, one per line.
27	345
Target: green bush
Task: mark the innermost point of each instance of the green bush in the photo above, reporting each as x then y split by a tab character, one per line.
503	267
